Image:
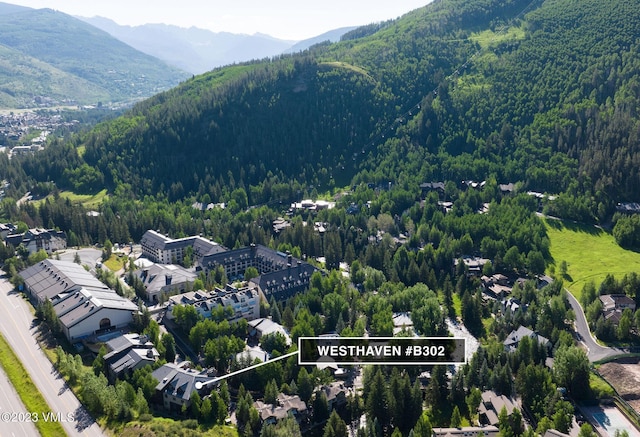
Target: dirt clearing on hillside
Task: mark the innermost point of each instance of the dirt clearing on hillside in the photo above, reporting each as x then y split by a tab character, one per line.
624	376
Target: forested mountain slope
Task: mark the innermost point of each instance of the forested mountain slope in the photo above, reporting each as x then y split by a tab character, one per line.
541	92
299	116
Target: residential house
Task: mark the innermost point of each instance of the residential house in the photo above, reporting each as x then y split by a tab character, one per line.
336	393
285	406
506	188
251	353
512	305
491	405
177	382
310	205
613	305
6	229
513	339
402	322
474	264
617	302
127	353
496	286
261	327
425	187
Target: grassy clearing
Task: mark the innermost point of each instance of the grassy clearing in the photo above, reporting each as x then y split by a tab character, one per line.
89	201
29	394
116	262
489	38
590	252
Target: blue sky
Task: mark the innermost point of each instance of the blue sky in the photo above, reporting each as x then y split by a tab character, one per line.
285	19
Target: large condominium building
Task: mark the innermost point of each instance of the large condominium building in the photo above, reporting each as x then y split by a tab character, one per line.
162	249
281	275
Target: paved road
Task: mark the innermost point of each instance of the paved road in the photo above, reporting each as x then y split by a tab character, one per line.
595	351
18	424
88	256
16	323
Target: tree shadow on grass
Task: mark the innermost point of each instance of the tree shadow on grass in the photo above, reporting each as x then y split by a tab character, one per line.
559	224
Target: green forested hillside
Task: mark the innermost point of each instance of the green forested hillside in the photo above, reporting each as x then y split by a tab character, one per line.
539	92
300	117
54	55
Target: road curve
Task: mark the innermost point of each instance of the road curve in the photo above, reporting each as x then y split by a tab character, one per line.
17	325
595	352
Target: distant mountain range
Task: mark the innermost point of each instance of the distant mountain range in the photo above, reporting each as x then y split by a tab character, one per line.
49	58
198	50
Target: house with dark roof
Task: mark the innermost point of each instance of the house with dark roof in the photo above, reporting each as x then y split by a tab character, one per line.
496	286
6	229
491	405
617	302
613	305
431	186
513	339
127	353
283	284
336	393
177	382
285	406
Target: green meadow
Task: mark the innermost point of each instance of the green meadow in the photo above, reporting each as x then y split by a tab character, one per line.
87	200
590	252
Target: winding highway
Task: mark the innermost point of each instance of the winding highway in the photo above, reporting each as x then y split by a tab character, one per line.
18	327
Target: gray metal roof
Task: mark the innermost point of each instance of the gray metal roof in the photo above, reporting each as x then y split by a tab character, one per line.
50	277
